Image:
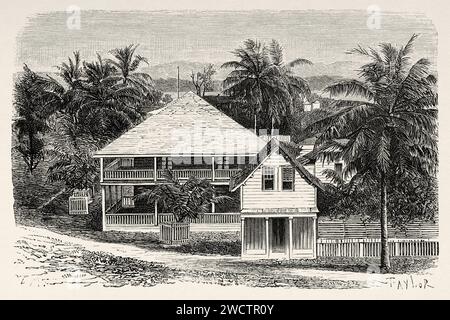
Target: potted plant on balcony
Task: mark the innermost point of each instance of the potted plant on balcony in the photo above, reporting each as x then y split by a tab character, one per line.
185	200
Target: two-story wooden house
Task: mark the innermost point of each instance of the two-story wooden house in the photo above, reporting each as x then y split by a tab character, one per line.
276	196
191	138
278	205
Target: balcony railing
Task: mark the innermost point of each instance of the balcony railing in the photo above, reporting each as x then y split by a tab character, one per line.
180	174
131	174
184	174
136	219
225	174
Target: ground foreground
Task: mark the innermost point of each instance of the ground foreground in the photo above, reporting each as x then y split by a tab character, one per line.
46	258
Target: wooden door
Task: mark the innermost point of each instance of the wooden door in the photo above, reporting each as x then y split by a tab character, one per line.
279	237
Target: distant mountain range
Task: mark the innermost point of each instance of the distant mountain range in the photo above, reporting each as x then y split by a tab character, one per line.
318	75
316	83
169	70
345	69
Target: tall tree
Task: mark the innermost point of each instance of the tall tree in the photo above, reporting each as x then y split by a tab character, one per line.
263	81
203	81
108	107
32	111
298	87
256	81
390	131
127	63
97	108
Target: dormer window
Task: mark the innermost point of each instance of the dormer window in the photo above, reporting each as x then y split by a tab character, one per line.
268	177
287	178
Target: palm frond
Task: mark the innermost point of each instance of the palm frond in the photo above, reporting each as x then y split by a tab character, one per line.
350	88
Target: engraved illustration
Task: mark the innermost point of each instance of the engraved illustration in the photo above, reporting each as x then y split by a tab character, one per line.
287	149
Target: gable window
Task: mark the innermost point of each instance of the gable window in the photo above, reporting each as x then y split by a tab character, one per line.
338	169
268	177
287	176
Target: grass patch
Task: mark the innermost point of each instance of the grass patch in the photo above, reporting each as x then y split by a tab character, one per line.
399	265
119	271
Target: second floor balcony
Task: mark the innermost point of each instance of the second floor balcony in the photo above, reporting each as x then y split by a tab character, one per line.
216	169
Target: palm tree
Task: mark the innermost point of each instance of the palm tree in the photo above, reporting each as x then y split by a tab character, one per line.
72	72
187	200
30	123
297	86
93	106
127	63
391	131
108	107
256	81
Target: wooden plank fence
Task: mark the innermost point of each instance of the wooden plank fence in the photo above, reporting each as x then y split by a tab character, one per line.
371	230
372	247
174	234
78	205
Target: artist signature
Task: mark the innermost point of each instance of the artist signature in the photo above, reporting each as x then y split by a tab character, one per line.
407	282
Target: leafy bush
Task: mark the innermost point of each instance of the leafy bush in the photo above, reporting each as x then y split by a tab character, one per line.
408	199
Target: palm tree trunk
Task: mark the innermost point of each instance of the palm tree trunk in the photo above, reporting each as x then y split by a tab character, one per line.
255	124
385	262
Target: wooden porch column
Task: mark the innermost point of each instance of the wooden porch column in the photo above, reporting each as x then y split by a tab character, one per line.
315	237
103	209
154	169
213	207
101	170
156	213
241	191
213	169
290	238
267	238
242	236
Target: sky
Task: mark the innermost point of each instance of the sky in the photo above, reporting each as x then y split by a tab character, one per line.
320	36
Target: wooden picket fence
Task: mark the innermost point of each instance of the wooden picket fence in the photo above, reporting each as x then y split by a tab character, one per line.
372	247
78	205
174	233
79	201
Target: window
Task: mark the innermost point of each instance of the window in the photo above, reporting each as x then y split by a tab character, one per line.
268	182
338	169
287	176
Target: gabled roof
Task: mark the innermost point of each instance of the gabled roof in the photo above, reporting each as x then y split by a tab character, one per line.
187	126
285	150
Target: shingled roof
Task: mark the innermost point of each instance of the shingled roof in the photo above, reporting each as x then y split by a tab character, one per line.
187	126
